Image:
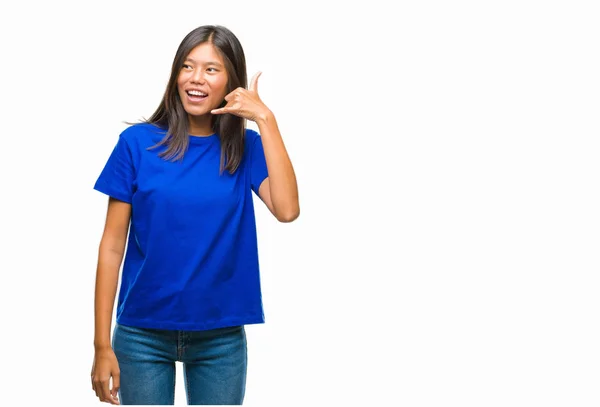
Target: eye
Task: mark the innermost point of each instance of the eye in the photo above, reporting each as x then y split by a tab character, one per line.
212	70
186	66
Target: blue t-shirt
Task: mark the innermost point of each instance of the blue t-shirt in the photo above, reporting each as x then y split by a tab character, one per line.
192	255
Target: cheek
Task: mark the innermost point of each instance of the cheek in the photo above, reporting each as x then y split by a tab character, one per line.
181	80
179	88
221	86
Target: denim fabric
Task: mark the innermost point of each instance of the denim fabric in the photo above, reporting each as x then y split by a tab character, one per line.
214	365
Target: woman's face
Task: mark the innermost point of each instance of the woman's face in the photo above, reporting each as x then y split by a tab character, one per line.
202	81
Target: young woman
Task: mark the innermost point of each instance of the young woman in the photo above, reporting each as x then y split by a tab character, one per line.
180	200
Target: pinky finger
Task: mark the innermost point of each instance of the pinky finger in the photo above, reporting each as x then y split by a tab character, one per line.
220	111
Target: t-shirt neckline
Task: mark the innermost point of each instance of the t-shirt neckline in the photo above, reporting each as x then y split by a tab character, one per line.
202	139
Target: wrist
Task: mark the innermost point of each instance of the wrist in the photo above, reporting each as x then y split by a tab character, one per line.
265	117
100	346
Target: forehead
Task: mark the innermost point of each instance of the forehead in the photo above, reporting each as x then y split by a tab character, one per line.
204	54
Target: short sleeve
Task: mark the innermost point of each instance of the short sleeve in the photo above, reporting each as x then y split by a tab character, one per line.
117	177
258	164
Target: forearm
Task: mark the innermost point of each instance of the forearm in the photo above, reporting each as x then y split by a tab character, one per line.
107	276
282	179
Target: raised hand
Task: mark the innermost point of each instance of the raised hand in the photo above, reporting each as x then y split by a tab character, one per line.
245	102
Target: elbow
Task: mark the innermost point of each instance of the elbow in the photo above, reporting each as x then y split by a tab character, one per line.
288	216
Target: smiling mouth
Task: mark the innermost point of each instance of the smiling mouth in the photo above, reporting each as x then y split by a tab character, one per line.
196	96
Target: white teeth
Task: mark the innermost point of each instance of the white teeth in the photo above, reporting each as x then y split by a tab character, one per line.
196	93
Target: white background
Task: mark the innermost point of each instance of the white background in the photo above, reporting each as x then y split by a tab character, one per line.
447	156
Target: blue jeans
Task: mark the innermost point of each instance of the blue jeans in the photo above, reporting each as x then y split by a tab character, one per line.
214	365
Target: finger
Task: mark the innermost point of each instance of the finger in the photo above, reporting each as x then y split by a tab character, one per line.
114	400
254	82
95	384
222	110
104	387
236	93
98	391
116	384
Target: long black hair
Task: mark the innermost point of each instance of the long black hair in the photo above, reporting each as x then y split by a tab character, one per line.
171	114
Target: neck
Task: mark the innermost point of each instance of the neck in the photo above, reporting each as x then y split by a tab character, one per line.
200	125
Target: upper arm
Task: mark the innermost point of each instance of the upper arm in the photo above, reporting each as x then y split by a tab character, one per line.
264	194
118	216
259	174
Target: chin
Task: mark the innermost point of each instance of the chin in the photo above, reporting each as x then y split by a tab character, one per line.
196	111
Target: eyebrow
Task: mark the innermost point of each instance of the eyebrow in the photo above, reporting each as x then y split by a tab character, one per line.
207	63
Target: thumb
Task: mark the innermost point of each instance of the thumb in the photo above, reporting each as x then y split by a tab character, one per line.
254	82
116	385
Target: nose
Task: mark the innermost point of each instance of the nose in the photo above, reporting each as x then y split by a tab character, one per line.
198	76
